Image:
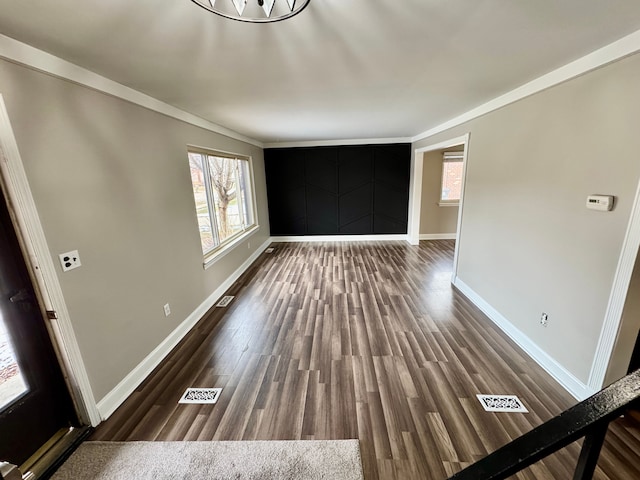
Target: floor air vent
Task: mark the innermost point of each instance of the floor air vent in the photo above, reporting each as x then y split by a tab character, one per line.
200	395
269	250
502	403
226	300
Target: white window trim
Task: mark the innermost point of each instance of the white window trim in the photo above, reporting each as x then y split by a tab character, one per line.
449	203
216	254
221	250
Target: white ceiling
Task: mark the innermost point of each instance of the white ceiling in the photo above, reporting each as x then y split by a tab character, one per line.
342	69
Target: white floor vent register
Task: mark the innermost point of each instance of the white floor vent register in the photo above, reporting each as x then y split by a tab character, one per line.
200	395
226	300
502	403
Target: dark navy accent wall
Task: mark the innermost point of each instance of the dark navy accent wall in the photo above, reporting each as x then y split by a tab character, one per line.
347	190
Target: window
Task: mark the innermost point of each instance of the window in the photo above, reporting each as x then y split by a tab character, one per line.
222	189
451	179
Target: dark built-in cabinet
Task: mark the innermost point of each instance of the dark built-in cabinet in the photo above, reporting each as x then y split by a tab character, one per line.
348	190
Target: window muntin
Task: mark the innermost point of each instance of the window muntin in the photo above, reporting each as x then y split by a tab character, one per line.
222	190
451	187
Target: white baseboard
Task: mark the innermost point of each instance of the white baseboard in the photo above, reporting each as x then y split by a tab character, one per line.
565	378
339	238
438	236
121	392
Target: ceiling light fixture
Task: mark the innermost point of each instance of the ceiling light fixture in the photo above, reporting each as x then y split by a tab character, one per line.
254	11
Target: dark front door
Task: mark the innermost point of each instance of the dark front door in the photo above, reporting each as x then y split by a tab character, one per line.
34	401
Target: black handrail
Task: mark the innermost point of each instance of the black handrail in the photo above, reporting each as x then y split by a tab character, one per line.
589	418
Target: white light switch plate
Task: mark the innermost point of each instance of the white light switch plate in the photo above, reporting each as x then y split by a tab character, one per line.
70	260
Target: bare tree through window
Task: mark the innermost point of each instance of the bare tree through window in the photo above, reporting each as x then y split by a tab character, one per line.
223	182
223	197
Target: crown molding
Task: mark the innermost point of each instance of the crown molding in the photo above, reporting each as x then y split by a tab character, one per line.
23	54
617	50
339	143
18	52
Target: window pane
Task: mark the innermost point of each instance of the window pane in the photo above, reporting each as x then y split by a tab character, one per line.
224	187
451	180
202	205
12	383
223	197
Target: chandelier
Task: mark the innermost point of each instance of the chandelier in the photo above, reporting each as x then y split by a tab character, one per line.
254	11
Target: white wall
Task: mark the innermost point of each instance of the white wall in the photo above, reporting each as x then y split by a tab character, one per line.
528	244
112	180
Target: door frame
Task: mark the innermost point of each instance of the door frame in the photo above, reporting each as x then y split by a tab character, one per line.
617	298
415	192
15	186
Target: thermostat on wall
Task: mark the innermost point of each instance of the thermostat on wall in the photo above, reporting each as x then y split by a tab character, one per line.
600	202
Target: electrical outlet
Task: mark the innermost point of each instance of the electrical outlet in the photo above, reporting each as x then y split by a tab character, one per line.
249	245
544	319
167	310
70	260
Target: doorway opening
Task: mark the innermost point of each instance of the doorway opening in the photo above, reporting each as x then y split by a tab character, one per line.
625	356
441	189
619	330
430	209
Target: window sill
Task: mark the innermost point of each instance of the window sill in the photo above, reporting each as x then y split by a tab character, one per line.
448	204
216	255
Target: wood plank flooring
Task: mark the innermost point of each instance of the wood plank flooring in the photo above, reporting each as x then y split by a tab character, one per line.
359	340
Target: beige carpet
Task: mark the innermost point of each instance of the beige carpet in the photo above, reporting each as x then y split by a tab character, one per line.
259	460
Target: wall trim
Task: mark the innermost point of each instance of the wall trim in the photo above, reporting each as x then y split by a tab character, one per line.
212	258
338	238
438	236
416	173
39	261
617	299
126	387
339	143
610	53
451	142
565	378
23	54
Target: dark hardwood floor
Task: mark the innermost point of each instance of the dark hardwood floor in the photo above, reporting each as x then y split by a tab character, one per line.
368	341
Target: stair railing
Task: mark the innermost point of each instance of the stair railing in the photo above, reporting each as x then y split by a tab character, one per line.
589	419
